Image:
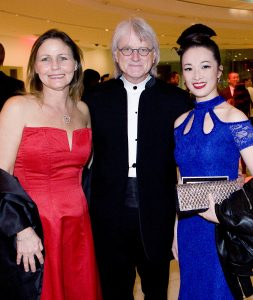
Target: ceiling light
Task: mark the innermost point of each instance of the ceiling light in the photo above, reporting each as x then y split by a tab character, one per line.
239	12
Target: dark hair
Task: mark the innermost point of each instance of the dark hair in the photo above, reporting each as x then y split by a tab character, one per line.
198	35
172	75
90	78
34	83
246	78
240	89
241	98
2	54
102	79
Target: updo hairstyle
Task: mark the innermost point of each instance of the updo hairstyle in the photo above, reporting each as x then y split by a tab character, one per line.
198	35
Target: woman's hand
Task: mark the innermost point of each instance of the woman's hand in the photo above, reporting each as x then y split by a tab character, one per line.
174	243
210	214
28	245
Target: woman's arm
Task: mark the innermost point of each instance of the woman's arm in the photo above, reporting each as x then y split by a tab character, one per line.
12	123
175	244
247	155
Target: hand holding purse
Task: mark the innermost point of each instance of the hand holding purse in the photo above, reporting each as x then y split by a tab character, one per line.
192	198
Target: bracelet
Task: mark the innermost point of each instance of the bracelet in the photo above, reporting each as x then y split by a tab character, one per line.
25	238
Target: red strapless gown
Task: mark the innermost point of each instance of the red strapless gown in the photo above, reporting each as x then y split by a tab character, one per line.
51	173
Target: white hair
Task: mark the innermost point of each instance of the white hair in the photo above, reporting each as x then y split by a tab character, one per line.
144	32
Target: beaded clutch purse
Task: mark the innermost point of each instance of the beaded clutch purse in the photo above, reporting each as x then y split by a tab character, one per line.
193	197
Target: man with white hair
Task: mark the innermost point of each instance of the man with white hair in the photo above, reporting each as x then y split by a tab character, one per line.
132	202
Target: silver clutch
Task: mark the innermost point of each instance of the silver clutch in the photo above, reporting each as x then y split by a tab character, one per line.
193	197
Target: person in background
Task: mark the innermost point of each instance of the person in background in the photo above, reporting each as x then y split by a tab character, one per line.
241	98
104	78
9	86
45	140
90	81
173	78
228	92
209	141
242	101
248	84
133	180
247	80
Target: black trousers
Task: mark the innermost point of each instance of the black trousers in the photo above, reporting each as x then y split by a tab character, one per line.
120	253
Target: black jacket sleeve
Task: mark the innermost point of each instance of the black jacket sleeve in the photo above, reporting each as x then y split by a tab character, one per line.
17	209
234	239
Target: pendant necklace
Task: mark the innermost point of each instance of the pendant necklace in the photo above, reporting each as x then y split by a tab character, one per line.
66	119
67	115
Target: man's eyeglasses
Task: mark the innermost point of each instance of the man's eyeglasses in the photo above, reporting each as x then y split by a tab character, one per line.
143	51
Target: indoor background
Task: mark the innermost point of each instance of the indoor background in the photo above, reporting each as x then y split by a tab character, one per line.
91	23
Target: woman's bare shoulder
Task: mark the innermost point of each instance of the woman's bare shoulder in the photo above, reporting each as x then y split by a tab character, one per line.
82	107
84	110
19	101
181	119
229	114
18	106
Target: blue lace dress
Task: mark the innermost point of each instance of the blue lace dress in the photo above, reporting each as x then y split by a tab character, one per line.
206	154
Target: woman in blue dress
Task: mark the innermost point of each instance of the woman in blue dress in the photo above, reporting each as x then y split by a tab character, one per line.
209	141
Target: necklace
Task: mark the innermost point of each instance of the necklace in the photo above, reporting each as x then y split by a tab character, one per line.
66	119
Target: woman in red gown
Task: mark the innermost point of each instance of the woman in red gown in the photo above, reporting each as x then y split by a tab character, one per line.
45	140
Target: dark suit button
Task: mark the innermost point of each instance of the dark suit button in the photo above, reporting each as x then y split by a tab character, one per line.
134	165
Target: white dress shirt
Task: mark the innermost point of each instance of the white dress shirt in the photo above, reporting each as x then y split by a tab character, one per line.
133	95
232	89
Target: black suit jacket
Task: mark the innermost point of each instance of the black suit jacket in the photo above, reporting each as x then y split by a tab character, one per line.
9	87
226	93
160	104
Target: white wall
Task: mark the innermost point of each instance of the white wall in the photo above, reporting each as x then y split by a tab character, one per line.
17	52
99	60
168	55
